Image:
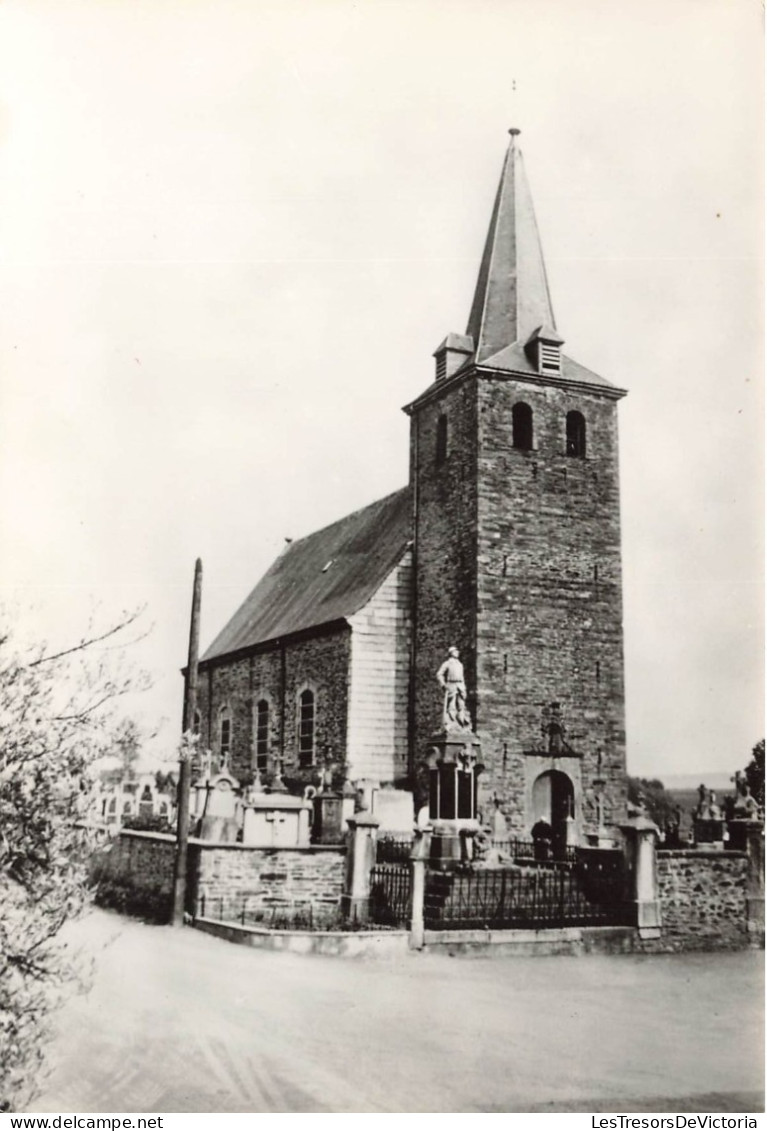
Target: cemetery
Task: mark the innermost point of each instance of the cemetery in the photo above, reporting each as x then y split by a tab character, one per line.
267	865
414	725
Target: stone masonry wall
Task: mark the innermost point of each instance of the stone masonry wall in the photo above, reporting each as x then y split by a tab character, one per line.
229	686
278	673
261	880
549	617
136	874
518	564
702	900
445	497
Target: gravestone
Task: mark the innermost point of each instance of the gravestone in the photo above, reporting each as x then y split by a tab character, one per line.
219	821
393	808
222	830
328	826
348	805
708	820
498	828
276	821
222	799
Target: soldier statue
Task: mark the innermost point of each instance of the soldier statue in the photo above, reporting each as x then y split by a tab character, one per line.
451	679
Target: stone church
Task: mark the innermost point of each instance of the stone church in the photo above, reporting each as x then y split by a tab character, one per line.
505	544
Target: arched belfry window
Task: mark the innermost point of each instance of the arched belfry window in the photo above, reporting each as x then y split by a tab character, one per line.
576	435
306	728
522	426
262	734
441	451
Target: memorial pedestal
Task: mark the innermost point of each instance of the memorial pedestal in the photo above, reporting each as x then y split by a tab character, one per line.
708	831
454	768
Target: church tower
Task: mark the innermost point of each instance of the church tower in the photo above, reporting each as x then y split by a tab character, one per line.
515	489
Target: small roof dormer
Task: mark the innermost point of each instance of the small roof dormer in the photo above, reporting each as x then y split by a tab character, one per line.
544	349
452	354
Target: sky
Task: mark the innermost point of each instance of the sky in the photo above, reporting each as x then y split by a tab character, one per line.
233	232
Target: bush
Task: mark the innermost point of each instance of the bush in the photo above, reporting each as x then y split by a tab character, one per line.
151	904
661	806
57	720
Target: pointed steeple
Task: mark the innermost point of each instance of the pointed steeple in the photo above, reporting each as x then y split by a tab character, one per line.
511	301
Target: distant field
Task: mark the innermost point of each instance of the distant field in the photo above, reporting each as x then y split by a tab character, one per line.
688	799
720	781
684	790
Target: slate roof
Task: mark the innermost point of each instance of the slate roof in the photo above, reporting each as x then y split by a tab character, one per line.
325	577
514	359
512	302
512	297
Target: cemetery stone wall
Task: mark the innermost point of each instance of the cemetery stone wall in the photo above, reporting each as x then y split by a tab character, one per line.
136	875
264	882
702	898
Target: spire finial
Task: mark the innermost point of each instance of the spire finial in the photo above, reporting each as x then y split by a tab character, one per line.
514	131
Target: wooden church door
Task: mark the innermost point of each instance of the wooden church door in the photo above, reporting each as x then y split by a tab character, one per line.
553	802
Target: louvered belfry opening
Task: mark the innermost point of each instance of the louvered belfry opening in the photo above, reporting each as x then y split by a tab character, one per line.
544	351
452	354
549	358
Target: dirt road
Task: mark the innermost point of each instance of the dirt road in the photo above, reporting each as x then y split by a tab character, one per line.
179	1021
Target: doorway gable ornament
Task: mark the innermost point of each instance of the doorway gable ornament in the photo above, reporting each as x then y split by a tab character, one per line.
554	732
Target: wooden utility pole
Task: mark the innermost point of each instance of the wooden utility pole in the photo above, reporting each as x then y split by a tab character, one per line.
185	765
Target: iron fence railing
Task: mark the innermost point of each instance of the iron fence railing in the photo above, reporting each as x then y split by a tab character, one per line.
250	910
393	850
526	898
602	875
591	889
390	894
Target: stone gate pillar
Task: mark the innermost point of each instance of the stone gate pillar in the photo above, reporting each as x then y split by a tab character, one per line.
360	858
641	836
418	858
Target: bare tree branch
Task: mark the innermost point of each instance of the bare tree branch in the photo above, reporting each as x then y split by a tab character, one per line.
88	643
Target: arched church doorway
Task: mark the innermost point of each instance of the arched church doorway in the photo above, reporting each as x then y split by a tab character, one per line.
554	802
